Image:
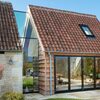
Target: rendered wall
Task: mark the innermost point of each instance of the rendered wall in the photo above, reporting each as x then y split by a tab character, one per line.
11	79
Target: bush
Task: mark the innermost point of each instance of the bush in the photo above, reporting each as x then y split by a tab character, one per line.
12	96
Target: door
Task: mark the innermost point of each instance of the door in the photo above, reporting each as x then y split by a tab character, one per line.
88	72
97	65
61	74
75	73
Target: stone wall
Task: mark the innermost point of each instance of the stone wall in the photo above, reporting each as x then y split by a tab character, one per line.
11	79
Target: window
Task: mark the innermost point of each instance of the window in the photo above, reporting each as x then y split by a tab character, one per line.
87	30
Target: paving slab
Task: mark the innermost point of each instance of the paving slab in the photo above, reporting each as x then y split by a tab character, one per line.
84	95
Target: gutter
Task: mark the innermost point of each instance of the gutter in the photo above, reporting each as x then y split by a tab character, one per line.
50	72
73	52
11	50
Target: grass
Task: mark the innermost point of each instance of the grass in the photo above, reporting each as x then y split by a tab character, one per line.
29	82
62	99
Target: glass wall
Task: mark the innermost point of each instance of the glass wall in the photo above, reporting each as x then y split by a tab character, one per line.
30	60
75	73
20	20
97	65
30	47
61	73
30	65
88	72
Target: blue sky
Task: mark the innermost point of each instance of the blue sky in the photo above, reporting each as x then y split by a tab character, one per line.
82	6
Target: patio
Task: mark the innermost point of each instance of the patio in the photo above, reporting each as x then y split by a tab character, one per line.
85	95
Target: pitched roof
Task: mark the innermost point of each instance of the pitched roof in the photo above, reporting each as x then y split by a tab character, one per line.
59	30
8	29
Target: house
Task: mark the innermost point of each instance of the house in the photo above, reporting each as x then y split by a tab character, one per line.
69	49
61	51
11	59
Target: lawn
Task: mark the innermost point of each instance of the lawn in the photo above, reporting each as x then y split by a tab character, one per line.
27	81
62	99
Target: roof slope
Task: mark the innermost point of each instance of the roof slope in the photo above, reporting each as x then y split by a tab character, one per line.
8	29
59	30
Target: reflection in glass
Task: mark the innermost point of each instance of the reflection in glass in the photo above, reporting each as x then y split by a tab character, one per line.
30	65
88	71
61	73
97	72
75	73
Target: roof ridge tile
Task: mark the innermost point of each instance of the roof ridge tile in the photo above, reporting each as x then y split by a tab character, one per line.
61	11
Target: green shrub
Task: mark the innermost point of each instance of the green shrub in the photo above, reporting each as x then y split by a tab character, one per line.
12	96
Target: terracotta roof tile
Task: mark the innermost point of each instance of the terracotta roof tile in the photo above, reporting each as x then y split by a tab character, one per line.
8	29
59	30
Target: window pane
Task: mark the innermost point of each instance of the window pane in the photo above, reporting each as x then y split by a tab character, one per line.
75	73
20	19
88	71
30	65
98	72
61	73
86	30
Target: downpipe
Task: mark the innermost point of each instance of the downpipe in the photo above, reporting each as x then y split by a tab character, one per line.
50	56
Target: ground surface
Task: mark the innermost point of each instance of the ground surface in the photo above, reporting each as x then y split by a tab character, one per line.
86	95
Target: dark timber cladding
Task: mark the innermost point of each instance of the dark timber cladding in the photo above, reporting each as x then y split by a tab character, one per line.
8	29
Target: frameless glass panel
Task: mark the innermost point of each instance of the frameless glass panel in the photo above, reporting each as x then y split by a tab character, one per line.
61	73
97	60
30	65
75	73
88	71
20	19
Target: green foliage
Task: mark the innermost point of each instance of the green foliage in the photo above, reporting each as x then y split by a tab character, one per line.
98	76
29	82
26	66
12	96
88	66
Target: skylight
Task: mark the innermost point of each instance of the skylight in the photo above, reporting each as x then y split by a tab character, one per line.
87	30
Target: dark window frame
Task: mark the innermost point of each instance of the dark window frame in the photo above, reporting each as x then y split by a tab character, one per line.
83	25
82	66
2	52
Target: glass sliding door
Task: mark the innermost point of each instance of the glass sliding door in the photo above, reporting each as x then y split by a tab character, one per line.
97	65
75	73
61	66
88	72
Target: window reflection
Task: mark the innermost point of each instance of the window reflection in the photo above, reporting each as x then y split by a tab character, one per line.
88	71
30	65
75	72
61	73
97	72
